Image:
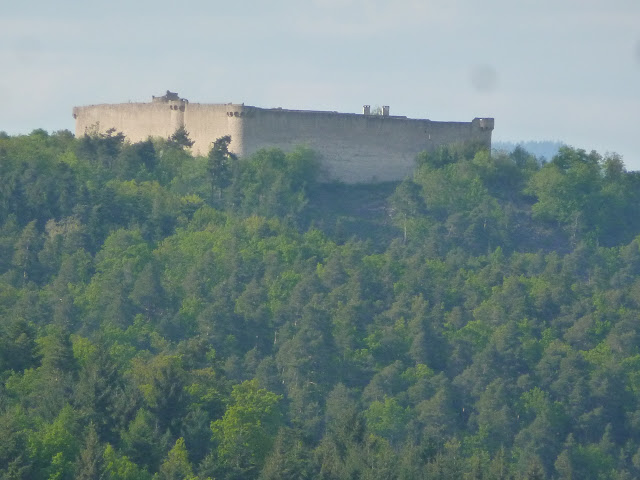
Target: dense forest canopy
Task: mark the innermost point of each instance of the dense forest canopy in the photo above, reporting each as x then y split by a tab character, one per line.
175	317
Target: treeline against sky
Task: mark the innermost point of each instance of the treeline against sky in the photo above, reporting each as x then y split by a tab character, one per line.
545	150
175	317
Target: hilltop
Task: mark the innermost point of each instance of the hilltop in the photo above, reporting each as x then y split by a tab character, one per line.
164	315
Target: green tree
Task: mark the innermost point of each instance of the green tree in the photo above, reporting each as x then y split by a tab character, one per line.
55	446
25	256
162	383
57	351
101	148
100	393
18	349
568	190
274	183
220	165
143	441
14	455
181	138
289	458
176	466
388	419
407	203
245	434
119	467
147	292
89	465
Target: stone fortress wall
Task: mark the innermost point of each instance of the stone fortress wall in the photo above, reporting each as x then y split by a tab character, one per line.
354	148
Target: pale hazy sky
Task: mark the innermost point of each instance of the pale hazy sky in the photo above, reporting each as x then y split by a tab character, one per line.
566	70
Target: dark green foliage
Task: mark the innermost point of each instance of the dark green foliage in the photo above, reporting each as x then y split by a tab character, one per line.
220	166
18	350
25	256
478	320
56	351
101	149
143	441
147	292
101	391
271	183
89	465
14	461
181	138
290	459
136	161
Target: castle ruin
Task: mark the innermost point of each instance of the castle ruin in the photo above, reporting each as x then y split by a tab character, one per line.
354	148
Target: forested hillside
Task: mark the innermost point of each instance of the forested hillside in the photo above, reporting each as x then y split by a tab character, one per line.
170	317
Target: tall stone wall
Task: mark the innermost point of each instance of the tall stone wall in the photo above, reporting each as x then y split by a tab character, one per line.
208	122
357	148
354	148
138	121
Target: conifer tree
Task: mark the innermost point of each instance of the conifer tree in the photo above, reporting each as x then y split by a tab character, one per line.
220	165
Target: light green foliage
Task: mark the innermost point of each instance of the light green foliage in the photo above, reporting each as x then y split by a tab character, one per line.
54	446
119	467
407	203
587	194
83	350
568	190
387	419
176	466
456	184
244	435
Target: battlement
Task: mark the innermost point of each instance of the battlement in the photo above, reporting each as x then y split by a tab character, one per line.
353	147
168	97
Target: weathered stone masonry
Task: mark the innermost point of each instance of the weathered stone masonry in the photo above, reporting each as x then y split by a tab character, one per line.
354	148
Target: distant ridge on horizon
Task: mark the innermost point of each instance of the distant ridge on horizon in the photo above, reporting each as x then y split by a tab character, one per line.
543	149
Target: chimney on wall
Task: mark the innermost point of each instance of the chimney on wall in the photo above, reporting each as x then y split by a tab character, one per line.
366	109
385	110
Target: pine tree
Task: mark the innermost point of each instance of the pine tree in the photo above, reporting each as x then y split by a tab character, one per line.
89	465
176	466
220	165
181	138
